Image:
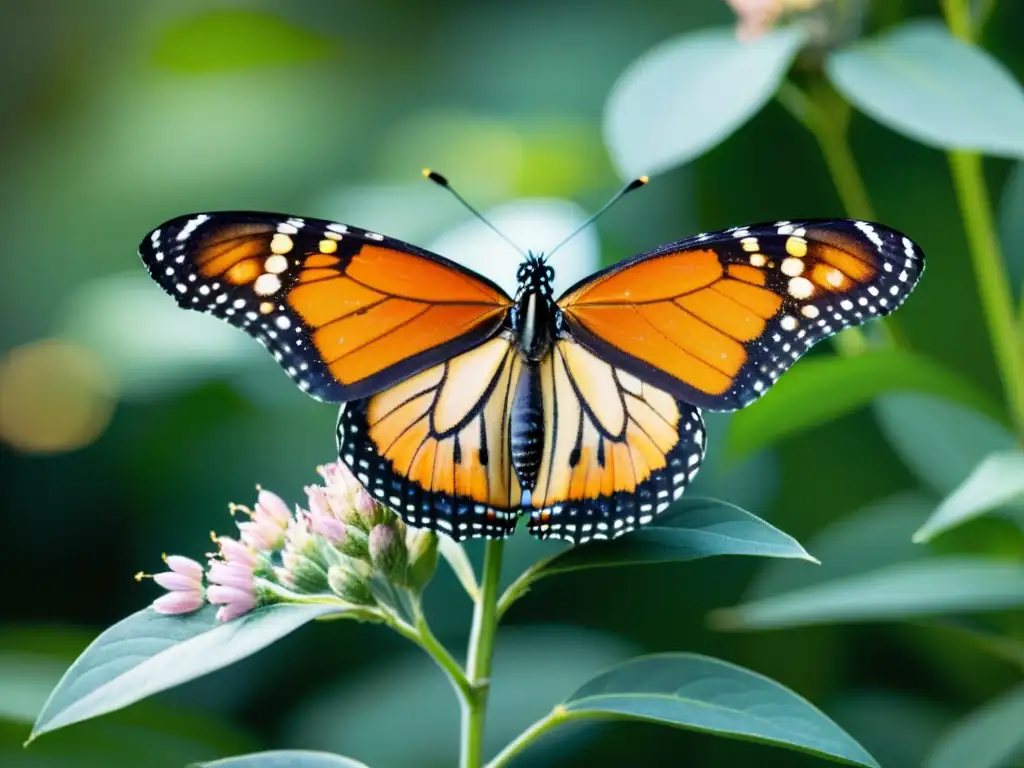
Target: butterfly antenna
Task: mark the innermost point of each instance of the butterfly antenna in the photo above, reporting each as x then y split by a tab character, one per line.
441	181
634	184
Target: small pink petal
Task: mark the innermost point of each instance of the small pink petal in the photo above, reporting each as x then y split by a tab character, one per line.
177	582
273	506
330	528
178	602
261	534
236	552
364	504
219	594
230	575
186	566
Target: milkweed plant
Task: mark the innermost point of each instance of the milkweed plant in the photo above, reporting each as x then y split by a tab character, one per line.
341	554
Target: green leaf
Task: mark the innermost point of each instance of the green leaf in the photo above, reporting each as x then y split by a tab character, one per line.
690	93
921	81
872	537
224	40
997	481
820	390
703	694
991	737
940	442
286	758
1011	230
700	528
926	587
148	652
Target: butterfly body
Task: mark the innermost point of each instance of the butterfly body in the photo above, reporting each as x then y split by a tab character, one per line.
464	408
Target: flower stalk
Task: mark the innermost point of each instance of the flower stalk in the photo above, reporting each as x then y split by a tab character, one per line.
983	243
478	662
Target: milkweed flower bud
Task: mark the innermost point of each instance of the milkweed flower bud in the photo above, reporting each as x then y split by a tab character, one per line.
265	529
356	544
388	553
302	558
184	582
422	546
351	582
757	17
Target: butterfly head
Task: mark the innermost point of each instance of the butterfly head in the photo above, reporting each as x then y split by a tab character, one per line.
534	275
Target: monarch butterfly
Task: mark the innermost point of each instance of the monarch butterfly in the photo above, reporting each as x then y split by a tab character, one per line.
464	407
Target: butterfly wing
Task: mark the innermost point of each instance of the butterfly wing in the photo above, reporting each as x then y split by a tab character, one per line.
617	451
435	447
715	319
344	311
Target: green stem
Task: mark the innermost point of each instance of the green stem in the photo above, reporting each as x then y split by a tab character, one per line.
827	116
530	735
424	637
478	662
989	268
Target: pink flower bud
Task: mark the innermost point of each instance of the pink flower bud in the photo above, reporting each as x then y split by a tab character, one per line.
236	552
272	506
175	582
329	527
174	603
186	566
230	575
388	553
235	601
262	534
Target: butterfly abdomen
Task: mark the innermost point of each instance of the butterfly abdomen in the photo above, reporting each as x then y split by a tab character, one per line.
527	427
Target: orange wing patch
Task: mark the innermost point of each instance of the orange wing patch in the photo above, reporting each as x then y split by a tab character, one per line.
345	312
716	319
436	446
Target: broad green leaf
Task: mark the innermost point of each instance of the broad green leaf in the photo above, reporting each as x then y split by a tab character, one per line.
690	93
1011	232
703	694
147	653
286	758
229	39
409	696
820	390
940	442
997	481
991	737
921	81
872	537
926	587
700	528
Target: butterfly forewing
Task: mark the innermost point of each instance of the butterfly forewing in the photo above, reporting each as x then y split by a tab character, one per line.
345	312
716	319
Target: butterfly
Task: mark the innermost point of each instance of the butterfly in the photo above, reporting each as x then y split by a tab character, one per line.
464	408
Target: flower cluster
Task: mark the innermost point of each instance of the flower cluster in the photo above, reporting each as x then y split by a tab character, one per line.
338	545
756	17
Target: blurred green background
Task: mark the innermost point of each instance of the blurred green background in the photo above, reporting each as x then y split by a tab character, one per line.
126	426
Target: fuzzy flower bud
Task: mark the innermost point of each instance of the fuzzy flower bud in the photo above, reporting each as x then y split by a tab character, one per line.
351	582
302	559
264	531
388	553
422	546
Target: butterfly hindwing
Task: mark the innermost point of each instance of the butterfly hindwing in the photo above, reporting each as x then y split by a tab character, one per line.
435	447
716	319
617	451
344	311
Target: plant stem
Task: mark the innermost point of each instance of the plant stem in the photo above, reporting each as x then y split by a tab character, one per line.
530	735
478	661
983	243
424	638
827	116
